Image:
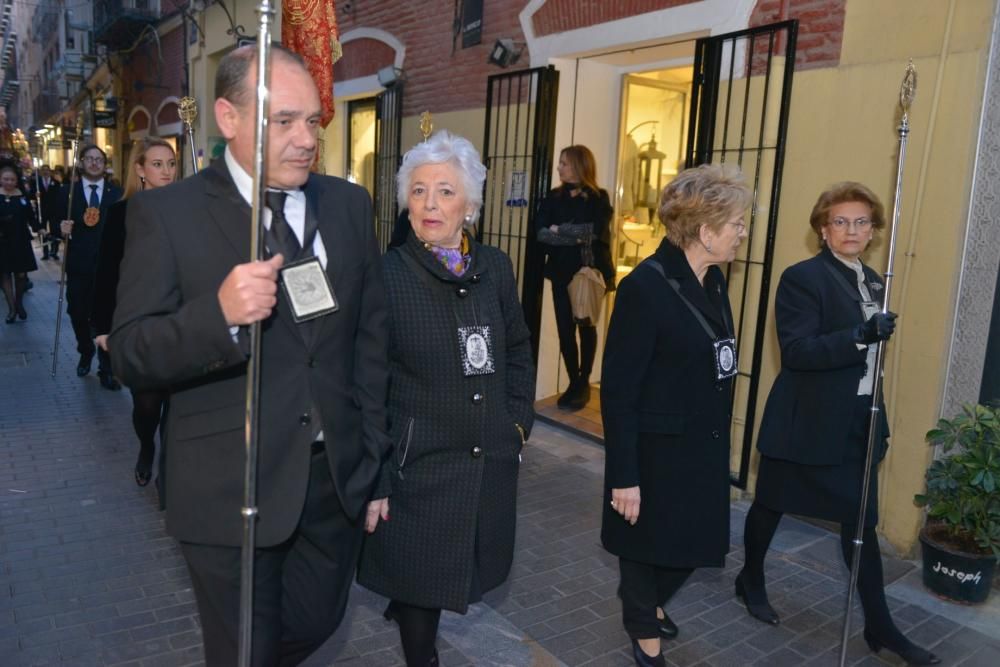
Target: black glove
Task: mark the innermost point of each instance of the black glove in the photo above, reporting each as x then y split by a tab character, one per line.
878	327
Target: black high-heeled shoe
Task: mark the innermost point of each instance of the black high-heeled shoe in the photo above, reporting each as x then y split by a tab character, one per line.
762	611
11	317
666	627
643	659
911	653
22	313
390	613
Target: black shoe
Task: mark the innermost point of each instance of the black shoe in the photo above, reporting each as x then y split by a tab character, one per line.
580	397
108	381
143	469
759	609
45	255
83	367
11	317
21	312
908	651
563	402
390	613
643	659
54	257
667	628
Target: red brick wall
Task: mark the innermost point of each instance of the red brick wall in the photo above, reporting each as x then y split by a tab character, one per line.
563	15
821	28
437	80
160	79
363	57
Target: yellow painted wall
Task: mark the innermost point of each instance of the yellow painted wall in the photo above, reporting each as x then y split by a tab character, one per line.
842	127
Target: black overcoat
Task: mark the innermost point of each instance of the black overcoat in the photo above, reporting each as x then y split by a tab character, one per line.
16	217
810	408
666	417
454	467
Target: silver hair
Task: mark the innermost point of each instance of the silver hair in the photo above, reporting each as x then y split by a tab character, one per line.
441	147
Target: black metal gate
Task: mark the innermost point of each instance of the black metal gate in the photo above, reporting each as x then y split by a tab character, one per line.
517	151
388	119
739	115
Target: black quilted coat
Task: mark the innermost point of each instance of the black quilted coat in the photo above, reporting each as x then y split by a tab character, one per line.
453	471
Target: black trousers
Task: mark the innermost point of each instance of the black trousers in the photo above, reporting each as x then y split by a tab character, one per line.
79	302
300	586
643	588
578	364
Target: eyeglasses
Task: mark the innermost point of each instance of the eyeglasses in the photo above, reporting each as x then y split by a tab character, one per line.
740	226
93	160
844	223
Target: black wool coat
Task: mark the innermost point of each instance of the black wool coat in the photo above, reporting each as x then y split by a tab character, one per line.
810	408
666	417
453	471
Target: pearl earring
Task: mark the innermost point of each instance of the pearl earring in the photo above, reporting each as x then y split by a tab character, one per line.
142	182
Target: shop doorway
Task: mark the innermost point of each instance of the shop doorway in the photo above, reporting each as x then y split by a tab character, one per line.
714	99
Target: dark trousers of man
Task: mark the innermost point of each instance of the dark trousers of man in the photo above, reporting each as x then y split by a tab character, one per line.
51	247
643	588
79	301
301	585
578	366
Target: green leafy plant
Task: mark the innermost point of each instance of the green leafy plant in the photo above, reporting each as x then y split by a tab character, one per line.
963	486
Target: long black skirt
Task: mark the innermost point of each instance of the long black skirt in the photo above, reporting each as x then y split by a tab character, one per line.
828	492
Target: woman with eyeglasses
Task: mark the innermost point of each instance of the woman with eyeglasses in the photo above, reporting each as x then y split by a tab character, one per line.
152	164
814	433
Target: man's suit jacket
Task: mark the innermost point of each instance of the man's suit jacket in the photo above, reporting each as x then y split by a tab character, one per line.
86	241
810	407
332	374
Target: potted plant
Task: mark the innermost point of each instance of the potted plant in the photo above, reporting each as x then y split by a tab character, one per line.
961	540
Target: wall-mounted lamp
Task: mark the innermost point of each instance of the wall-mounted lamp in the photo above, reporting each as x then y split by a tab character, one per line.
504	53
389	76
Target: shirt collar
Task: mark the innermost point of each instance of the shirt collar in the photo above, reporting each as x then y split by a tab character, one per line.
244	182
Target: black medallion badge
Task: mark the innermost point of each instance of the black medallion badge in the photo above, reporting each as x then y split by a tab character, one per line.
475	345
725	358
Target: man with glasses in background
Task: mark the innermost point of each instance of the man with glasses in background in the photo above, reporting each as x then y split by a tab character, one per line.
92	198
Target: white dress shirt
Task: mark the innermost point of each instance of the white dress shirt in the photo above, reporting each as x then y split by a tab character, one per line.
86	189
295	206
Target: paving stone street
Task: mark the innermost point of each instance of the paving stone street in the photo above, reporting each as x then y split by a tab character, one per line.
88	575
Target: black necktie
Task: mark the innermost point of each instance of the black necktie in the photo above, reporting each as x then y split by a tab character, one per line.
281	238
94	201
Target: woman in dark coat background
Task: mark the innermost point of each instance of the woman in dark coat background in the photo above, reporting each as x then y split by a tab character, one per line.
665	400
152	164
460	404
573	224
17	259
814	432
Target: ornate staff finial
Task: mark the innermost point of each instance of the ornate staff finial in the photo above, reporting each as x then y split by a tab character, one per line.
426	125
187	109
908	90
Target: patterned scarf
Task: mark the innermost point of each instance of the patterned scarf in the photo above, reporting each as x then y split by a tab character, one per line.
456	260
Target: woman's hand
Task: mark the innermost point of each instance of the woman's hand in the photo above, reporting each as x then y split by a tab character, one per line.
376	509
626	503
102	342
554	229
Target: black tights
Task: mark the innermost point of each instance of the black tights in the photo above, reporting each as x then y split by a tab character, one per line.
760	527
417	632
578	367
147	408
13	290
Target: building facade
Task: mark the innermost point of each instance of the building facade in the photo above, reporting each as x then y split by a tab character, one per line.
625	87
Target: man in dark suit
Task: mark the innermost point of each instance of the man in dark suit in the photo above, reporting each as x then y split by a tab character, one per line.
47	190
92	198
188	290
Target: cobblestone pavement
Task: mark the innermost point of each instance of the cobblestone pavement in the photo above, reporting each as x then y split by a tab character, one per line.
89	577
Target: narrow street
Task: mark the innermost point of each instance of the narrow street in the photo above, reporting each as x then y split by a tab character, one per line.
89	576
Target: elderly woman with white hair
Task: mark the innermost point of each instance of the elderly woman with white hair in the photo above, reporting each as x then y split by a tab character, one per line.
460	404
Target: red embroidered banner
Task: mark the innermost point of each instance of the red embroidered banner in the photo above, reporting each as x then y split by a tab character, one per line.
309	27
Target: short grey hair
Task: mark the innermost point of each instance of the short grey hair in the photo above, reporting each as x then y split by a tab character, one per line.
442	147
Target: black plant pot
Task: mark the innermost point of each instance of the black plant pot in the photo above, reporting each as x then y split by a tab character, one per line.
956	575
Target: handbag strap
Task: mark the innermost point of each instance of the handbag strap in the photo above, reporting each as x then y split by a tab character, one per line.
675	284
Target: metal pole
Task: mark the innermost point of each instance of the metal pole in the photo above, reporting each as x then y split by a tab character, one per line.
188	111
38	203
265	15
906	94
62	264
